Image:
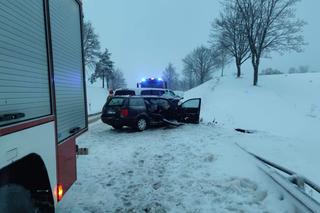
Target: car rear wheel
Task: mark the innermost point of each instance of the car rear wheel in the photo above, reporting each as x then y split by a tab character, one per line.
141	124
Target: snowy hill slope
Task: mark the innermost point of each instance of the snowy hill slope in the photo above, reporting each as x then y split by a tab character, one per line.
284	109
287	105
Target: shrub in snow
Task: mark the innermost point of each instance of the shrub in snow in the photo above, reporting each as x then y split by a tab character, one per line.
270	71
301	69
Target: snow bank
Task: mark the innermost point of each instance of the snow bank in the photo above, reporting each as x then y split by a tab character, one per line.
96	98
287	105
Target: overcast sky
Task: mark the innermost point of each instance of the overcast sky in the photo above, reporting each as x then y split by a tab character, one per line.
145	35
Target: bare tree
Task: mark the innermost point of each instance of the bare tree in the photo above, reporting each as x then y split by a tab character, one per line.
117	79
91	45
270	25
227	33
189	79
199	63
184	84
171	77
222	57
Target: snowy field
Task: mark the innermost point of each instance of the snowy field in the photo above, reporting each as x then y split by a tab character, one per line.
199	168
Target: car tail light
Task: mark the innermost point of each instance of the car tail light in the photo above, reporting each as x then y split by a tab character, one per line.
124	112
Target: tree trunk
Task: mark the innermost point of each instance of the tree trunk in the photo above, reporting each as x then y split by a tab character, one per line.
238	65
255	75
107	82
238	70
255	64
103	81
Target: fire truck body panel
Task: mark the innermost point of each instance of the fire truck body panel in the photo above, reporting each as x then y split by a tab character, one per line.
42	95
14	147
68	67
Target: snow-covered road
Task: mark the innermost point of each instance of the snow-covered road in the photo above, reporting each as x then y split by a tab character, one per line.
192	168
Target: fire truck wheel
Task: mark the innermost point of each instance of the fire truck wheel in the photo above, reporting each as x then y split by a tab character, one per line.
16	199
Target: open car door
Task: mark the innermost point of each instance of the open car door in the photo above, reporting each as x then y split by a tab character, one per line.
189	111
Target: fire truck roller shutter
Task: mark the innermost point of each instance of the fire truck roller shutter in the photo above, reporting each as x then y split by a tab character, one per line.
68	67
24	78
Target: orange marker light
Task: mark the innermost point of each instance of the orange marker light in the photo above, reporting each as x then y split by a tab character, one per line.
59	192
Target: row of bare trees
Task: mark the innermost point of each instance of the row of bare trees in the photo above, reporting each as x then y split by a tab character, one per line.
101	63
253	29
197	68
198	65
245	30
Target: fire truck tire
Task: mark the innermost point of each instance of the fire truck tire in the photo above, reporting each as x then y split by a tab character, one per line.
16	199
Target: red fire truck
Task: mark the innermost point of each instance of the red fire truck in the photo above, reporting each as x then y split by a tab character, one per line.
42	101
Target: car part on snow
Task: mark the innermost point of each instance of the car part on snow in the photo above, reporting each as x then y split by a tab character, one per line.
301	200
293	186
172	122
245	131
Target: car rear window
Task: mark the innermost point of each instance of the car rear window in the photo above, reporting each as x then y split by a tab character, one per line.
136	102
116	102
124	92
